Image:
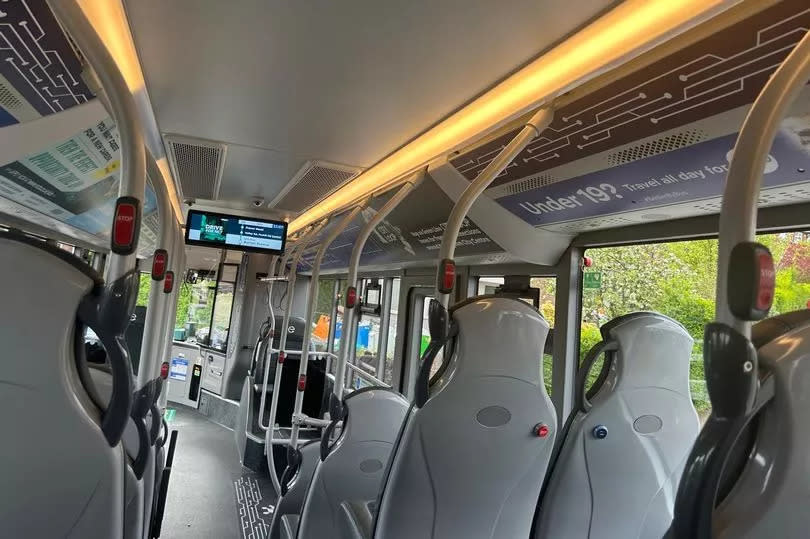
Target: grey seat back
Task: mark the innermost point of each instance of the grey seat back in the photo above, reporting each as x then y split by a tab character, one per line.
354	466
469	462
763	490
55	454
621	459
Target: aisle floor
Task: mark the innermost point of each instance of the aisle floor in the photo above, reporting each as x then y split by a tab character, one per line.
210	494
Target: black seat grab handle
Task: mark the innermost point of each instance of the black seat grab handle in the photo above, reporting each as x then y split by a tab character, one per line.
108	315
294	460
441	330
582	396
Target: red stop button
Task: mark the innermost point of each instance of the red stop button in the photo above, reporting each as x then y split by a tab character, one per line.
126	221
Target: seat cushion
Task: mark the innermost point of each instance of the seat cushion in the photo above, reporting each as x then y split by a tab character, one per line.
289	526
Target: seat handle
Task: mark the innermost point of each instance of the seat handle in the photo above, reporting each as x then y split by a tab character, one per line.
294	459
441	330
583	396
108	315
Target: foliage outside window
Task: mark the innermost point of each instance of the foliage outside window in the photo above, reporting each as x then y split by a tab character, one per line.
678	280
204	307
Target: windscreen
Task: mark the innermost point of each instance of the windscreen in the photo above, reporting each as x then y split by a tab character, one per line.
234	232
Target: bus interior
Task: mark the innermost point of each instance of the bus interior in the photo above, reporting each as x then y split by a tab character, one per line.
427	269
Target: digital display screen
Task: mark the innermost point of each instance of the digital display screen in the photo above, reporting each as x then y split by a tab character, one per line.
234	232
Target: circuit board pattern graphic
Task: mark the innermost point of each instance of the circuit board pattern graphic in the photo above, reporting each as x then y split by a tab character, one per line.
251	508
37	61
719	73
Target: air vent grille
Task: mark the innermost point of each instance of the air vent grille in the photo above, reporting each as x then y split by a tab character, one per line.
657	146
534	182
590	224
315	181
8	98
197	165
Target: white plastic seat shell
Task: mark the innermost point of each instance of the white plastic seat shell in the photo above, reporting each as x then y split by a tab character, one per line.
624	485
468	463
42	400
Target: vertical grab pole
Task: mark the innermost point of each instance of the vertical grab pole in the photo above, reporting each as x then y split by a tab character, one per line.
133	157
729	357
738	213
446	275
178	265
154	330
268	356
351	284
311	303
299	249
121	275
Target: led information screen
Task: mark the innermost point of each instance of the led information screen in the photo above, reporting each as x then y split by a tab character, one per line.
234	232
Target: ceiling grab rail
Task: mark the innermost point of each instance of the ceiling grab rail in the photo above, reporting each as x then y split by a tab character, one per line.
350	302
446	273
268	355
438	314
745	287
108	312
122	106
312	301
154	326
277	274
294	457
298	249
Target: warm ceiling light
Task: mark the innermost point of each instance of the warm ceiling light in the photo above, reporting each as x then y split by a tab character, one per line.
110	23
623	33
109	20
163	166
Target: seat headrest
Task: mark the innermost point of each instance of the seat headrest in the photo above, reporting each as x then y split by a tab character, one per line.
654	350
521	332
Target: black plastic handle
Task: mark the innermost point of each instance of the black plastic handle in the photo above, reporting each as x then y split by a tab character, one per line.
582	396
326	446
142	403
108	315
737	397
294	459
441	330
157	387
162	440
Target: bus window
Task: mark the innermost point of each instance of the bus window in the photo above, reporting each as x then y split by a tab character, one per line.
674	279
223	304
678	280
204	306
367	345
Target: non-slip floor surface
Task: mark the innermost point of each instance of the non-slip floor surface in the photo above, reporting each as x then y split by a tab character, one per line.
211	496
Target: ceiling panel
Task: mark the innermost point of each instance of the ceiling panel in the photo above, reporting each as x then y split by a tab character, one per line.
346	82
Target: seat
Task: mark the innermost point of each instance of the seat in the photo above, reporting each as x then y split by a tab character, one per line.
747	475
470	461
624	446
61	445
352	467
